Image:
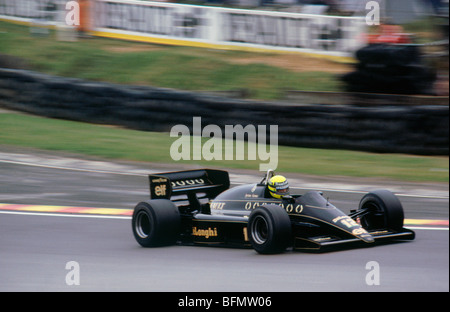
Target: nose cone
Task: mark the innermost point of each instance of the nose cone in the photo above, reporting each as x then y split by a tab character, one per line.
363	235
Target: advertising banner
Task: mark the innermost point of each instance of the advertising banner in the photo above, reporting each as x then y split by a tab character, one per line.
210	27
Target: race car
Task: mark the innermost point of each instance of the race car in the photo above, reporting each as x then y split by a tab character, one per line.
198	207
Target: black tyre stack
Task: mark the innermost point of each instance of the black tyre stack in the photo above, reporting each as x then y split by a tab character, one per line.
390	69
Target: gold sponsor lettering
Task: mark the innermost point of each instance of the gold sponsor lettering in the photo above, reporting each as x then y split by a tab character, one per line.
160	180
290	208
188	182
245	234
299	209
217	205
160	190
206	233
359	231
339	218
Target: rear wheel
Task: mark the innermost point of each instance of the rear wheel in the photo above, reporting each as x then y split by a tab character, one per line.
156	223
269	229
381	210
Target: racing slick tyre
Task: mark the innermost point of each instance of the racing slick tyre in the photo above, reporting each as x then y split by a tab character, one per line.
383	210
269	229
156	223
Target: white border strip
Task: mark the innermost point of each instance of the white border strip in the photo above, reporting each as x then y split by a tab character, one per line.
151	171
46	214
427	228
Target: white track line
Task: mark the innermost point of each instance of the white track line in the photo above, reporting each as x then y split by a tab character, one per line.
72	169
151	171
427	228
45	214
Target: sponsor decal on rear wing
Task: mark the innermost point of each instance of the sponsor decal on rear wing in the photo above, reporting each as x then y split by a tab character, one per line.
206	181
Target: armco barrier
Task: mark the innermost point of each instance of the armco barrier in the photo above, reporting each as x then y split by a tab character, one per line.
385	128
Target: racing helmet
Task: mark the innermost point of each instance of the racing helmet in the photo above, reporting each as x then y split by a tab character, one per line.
278	186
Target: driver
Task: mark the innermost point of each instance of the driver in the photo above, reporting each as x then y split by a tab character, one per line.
278	186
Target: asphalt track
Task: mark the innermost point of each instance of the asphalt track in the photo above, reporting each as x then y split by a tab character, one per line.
56	210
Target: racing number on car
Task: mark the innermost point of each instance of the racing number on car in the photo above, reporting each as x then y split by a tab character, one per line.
347	221
245	234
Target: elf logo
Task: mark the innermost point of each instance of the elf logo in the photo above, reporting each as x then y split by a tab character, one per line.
160	190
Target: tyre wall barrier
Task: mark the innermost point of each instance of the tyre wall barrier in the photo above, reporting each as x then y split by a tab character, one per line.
386	128
395	69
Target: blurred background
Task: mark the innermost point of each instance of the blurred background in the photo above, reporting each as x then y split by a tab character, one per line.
248	54
362	75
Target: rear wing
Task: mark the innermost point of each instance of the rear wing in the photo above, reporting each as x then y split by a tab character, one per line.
192	185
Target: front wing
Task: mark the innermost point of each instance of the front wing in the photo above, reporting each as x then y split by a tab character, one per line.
330	242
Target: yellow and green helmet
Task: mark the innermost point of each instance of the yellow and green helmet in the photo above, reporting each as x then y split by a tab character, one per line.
278	186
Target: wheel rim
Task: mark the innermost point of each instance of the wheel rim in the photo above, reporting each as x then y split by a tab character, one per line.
142	225
375	219
259	230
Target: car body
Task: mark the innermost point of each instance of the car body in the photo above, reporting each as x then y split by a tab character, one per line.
199	207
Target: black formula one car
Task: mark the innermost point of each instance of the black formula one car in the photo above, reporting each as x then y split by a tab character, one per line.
199	207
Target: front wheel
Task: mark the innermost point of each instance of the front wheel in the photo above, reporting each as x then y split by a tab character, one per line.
381	210
269	229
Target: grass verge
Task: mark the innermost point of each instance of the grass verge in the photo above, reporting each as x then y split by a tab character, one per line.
117	143
186	68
